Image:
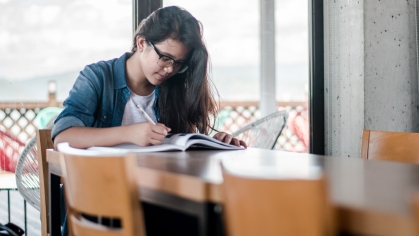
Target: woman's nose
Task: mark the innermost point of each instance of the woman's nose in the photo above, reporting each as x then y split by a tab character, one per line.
168	69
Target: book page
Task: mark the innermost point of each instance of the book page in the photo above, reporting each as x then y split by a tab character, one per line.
211	141
66	148
130	147
172	142
206	144
179	139
189	139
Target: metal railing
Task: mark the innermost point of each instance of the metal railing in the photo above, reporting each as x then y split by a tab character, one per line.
9	208
13	208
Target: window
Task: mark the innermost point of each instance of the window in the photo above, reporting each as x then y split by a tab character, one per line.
232	35
48	42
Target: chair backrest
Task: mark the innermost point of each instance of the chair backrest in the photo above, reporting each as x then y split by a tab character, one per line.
256	206
43	142
264	132
390	146
10	147
27	176
101	186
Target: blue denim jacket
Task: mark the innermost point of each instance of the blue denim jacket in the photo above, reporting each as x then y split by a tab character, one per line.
98	97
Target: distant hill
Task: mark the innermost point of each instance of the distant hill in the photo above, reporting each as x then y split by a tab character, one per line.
242	83
36	89
233	84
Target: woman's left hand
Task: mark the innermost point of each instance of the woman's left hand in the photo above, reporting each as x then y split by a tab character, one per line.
226	138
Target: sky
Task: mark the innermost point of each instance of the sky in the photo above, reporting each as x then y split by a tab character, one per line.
48	37
44	37
231	29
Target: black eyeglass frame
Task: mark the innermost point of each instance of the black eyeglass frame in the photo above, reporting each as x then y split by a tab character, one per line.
183	66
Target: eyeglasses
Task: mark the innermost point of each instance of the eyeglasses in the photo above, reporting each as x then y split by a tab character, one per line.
166	61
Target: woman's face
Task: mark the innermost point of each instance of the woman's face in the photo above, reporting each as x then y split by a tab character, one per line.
155	59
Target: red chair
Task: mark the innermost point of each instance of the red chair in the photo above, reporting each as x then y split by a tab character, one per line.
299	125
10	147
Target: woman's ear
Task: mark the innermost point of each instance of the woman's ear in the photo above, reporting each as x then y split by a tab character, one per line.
140	43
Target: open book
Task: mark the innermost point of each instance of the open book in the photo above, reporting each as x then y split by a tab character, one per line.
173	142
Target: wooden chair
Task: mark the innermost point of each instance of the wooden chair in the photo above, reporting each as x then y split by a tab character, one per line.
390	146
255	206
43	142
104	187
415	210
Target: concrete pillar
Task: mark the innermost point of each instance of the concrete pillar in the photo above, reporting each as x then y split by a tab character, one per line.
391	81
370	71
344	76
267	103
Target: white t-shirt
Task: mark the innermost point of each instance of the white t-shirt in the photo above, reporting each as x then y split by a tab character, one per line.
132	115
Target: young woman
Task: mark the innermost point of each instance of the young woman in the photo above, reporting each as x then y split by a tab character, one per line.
166	73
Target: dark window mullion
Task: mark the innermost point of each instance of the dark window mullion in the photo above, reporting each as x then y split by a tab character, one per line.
142	8
317	116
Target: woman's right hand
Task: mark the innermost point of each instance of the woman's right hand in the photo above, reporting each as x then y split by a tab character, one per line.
146	134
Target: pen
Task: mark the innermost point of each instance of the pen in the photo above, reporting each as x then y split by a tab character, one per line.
146	116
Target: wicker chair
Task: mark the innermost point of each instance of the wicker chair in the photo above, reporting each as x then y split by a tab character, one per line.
27	172
264	132
27	179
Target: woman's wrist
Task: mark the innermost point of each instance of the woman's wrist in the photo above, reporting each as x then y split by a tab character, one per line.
122	134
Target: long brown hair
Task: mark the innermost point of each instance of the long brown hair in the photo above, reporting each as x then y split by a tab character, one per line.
186	101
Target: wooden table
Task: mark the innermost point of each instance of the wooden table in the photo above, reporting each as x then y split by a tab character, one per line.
370	197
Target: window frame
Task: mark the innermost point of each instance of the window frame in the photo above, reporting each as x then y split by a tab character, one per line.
141	9
316	78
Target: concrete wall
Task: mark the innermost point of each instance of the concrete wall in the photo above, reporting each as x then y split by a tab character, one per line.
344	85
371	77
391	84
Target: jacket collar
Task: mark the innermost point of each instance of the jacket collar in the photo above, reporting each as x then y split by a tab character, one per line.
119	71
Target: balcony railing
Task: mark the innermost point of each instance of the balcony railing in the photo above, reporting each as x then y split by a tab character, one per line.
18	119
